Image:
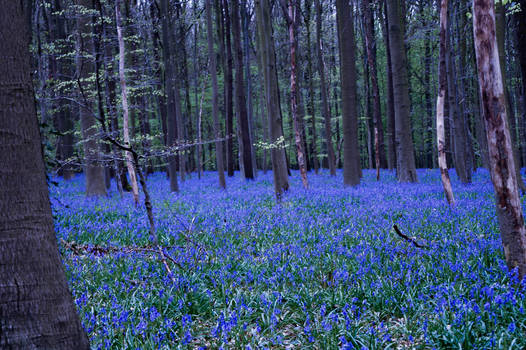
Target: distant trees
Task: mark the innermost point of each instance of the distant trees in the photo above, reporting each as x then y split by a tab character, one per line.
334	112
502	166
37	308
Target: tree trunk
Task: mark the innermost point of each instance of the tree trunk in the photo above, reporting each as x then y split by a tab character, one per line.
125	111
240	100
500	23
391	132
442	87
95	177
215	105
229	92
298	137
273	110
331	157
370	40
351	152
37	310
171	135
502	166
405	157
310	81
456	118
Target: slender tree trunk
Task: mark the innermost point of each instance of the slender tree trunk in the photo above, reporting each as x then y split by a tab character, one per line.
331	158
405	157
95	177
291	20
442	87
310	81
380	160
391	132
37	310
125	111
500	23
229	92
268	63
241	105
351	152
215	105
502	166
171	125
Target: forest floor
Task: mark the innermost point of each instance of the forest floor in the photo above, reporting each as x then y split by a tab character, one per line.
322	270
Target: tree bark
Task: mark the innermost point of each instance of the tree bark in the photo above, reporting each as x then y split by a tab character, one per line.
502	166
95	177
37	310
380	160
298	137
268	63
240	100
212	66
391	132
171	135
442	87
351	152
405	157
331	157
229	92
125	111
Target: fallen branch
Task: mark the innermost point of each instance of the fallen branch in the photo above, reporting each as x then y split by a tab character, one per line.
407	238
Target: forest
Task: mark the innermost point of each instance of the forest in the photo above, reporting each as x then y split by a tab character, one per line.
262	174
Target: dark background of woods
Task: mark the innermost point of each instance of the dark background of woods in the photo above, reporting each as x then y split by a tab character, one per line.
339	94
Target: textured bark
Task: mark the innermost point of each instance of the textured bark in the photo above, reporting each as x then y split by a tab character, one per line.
37	309
442	87
391	134
520	19
309	80
298	137
171	135
215	105
125	110
351	152
405	157
380	160
180	61
500	23
229	104
268	63
456	117
95	177
240	98
502	166
331	157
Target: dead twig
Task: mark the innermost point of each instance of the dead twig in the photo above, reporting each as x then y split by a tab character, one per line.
409	239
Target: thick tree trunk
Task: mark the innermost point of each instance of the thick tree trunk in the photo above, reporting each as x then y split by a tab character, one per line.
351	152
171	135
95	177
240	100
273	109
331	157
37	310
391	132
442	87
405	157
125	111
502	166
215	105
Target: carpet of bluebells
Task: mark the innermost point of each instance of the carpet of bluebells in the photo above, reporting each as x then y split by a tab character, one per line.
322	270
